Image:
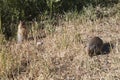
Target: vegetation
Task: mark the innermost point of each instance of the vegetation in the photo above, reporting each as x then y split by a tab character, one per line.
67	25
14	10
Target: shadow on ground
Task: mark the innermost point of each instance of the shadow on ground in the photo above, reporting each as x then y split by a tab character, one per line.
107	48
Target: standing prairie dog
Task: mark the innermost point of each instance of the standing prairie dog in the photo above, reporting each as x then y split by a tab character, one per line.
95	46
22	32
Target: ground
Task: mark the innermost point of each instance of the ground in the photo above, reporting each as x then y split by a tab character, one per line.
63	54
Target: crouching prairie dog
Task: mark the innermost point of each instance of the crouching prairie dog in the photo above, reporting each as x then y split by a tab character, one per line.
22	32
95	46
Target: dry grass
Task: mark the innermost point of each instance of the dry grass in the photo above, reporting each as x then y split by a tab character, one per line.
63	55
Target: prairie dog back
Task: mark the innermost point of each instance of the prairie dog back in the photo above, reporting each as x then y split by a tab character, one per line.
95	46
22	32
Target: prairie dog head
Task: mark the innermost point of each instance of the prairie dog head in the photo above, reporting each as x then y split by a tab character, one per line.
21	25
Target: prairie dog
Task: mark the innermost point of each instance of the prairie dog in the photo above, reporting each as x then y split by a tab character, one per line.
22	32
95	46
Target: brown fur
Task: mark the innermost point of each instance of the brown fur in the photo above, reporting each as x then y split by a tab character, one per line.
95	46
22	32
